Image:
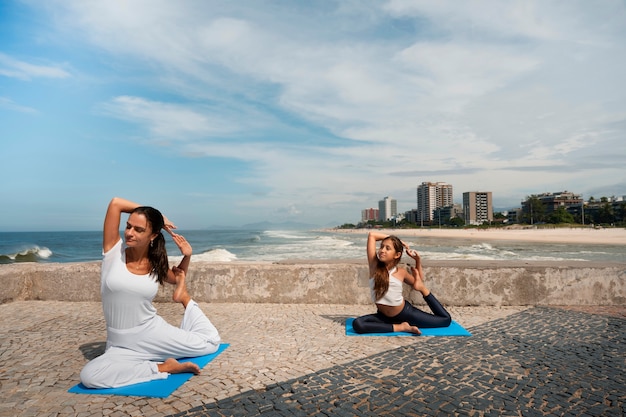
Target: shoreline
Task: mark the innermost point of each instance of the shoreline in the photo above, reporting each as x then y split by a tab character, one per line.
592	236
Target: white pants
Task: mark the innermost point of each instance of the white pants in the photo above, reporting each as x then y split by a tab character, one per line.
132	354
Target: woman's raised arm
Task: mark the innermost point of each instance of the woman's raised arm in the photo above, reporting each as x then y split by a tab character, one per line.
112	219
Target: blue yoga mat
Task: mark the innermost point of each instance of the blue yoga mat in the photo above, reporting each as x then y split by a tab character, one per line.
158	388
454	329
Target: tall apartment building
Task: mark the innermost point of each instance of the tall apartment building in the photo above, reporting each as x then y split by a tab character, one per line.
387	209
431	196
369	214
477	207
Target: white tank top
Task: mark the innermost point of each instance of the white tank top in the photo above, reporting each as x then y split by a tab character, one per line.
393	297
126	297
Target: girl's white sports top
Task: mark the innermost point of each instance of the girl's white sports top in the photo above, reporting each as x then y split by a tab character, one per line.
393	297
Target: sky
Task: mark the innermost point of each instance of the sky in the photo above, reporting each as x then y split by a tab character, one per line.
228	113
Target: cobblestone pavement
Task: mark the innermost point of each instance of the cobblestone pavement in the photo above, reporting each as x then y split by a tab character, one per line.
294	360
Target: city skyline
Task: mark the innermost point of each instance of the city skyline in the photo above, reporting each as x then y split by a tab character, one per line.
495	209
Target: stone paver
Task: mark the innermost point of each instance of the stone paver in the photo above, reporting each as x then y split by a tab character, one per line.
538	362
287	360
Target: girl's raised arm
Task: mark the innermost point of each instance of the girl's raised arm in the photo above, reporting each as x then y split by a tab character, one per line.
372	238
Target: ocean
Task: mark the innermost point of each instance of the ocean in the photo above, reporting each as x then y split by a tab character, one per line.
277	245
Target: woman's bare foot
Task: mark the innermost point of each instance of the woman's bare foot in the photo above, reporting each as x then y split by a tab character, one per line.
180	293
406	327
172	366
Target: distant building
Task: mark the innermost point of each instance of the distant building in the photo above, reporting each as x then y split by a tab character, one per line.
370	214
477	207
551	202
431	196
442	215
387	209
605	210
399	217
411	216
513	215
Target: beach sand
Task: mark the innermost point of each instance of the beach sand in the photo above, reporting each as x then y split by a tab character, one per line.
601	236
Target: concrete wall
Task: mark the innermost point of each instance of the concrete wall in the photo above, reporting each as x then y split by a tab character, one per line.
460	283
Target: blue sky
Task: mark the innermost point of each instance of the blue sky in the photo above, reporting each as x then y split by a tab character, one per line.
226	113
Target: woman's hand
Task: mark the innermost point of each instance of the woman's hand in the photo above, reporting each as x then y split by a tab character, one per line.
168	225
183	245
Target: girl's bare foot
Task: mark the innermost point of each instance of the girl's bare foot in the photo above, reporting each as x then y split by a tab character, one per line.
180	293
406	327
172	366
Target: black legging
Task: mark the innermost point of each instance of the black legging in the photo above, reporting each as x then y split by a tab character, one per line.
379	323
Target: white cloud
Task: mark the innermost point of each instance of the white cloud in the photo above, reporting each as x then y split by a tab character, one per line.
330	105
459	72
166	120
520	20
15	68
7	103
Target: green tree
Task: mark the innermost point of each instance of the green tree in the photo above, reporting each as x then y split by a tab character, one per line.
456	221
534	210
561	215
606	214
498	215
620	214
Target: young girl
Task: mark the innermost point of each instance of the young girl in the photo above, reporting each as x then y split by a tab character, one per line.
395	314
141	345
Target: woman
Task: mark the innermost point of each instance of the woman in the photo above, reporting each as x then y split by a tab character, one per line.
395	314
141	345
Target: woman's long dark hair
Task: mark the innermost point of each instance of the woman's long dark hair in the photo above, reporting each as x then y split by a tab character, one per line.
157	254
381	274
